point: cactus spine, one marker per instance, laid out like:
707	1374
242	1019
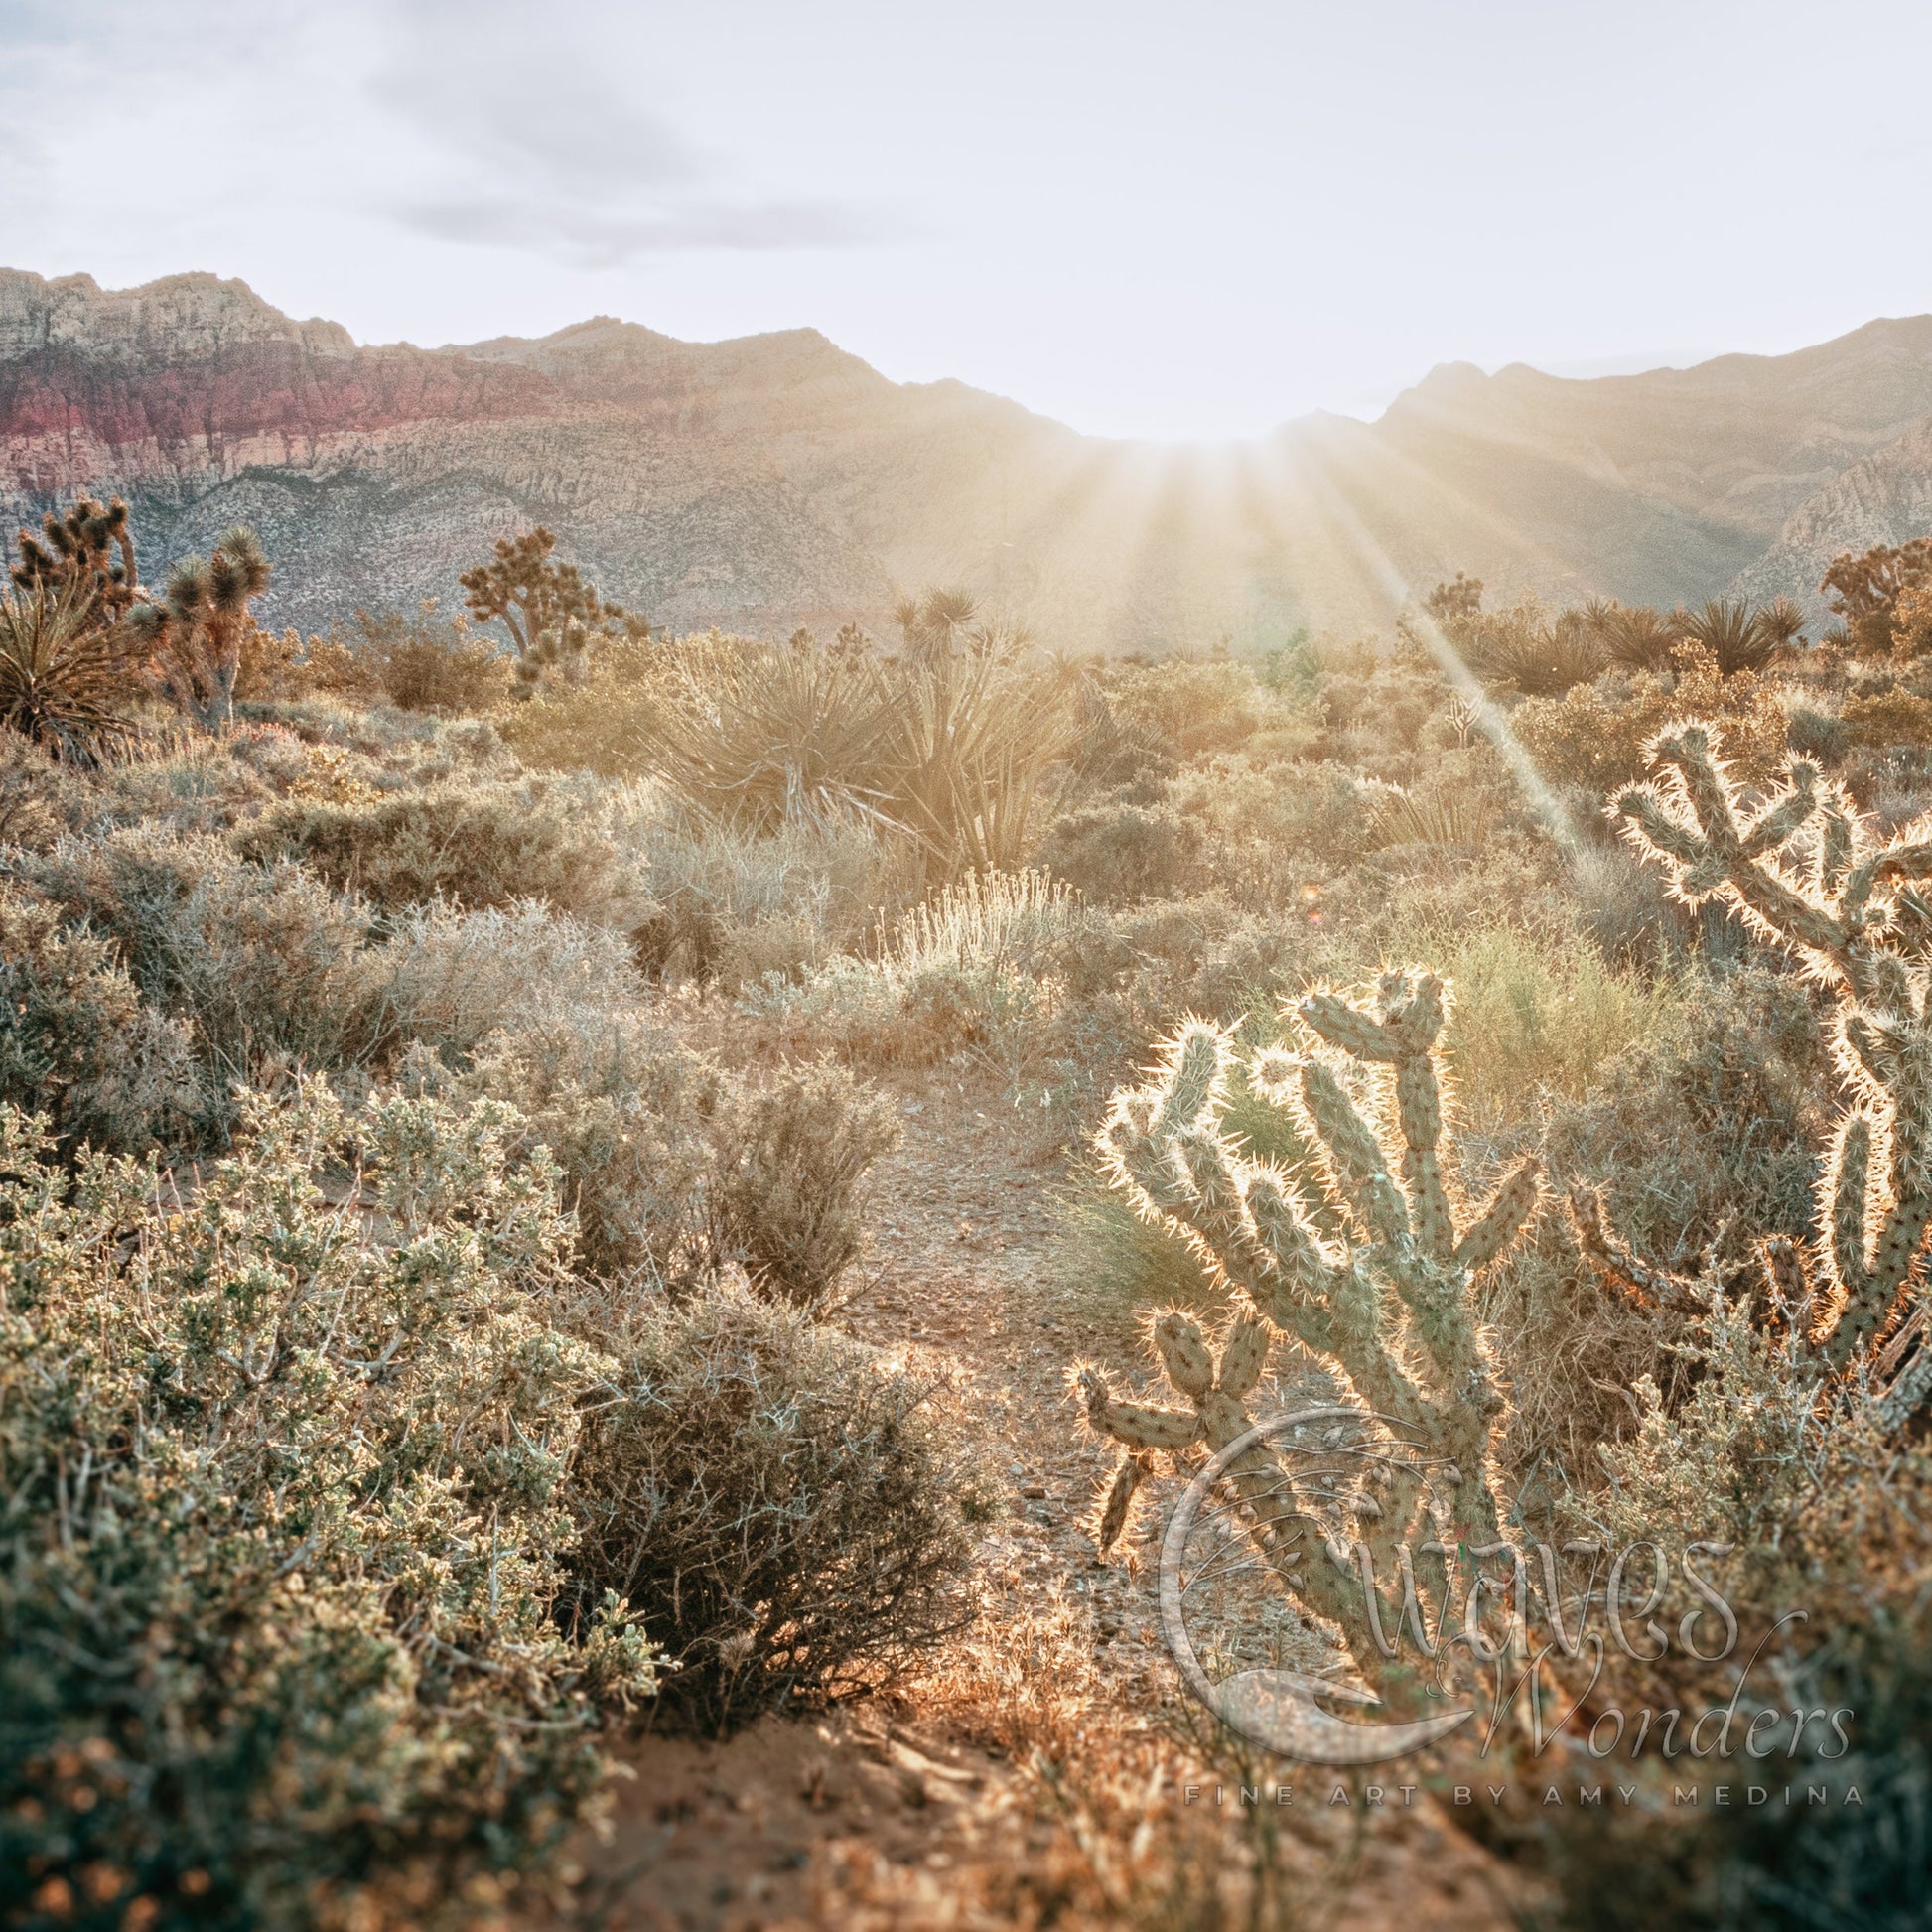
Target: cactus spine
1384	1301
1804	869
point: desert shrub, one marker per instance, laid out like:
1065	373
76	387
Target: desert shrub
477	846
1866	590
1118	854
1706	1123
424	661
1186	708
40	798
607	724
1772	1868
450	979
1537	1014
1818	735
1267	826
1913	622
264	964
777	1503
788	1199
632	1121
970	970
1598	735
1883	718
677	1169
77	1044
280	1532
720	897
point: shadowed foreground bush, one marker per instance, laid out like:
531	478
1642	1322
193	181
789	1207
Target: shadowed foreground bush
776	1501
280	1515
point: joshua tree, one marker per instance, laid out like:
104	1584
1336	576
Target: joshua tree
1805	868
555	619
84	558
194	636
1864	590
1384	1301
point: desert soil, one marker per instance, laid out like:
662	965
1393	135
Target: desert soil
891	1812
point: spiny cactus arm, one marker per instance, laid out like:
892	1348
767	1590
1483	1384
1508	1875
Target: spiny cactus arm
1353	1167
1134	1425
1356	1033
1132	1472
1419	1112
1864	1266
1616	1266
1510	1208
1709	853
1244	1356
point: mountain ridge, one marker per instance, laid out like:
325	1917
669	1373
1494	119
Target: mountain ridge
769	480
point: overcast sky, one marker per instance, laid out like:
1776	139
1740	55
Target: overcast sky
1170	221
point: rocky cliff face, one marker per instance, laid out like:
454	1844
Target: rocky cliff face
777	479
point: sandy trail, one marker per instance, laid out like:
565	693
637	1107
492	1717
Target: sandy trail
882	1814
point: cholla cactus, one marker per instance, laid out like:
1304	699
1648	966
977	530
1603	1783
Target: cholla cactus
1384	1301
1805	868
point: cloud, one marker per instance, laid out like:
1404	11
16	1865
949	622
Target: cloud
536	148
592	237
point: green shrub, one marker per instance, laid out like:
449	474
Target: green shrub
281	1515
777	1503
450	979
476	845
77	1044
677	1169
1773	1867
1186	708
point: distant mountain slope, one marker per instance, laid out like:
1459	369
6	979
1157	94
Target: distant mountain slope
774	479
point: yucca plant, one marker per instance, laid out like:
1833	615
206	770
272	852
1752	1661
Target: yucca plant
65	679
1637	636
971	729
1526	650
1738	637
759	735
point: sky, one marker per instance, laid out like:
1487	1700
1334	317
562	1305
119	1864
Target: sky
1172	222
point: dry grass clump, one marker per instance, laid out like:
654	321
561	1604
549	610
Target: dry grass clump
778	1504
